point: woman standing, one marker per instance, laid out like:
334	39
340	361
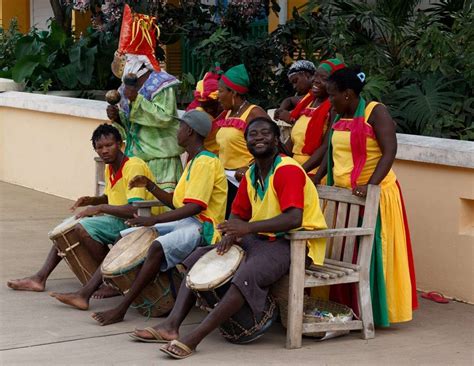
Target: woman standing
233	153
311	118
361	151
300	75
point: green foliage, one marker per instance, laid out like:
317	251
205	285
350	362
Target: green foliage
51	59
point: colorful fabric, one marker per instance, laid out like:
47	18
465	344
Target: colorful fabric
359	132
392	274
230	138
206	89
237	79
150	129
316	124
209	193
301	66
103	229
286	186
138	35
332	65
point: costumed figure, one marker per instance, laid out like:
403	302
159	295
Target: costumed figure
146	111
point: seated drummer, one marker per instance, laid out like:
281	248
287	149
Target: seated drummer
198	204
105	217
274	197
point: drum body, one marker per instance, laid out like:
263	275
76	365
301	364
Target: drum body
122	264
76	255
210	279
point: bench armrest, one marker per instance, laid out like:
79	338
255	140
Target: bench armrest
329	233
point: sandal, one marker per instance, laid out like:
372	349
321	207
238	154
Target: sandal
435	296
181	346
157	338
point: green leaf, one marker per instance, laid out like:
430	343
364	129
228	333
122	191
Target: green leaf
23	69
68	75
27	46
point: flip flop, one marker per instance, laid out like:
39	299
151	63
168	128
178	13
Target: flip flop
157	338
435	296
188	351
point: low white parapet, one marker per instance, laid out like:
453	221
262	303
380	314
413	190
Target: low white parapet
424	149
76	107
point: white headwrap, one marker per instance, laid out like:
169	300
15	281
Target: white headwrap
134	65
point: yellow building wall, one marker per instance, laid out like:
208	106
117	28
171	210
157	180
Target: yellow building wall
48	152
80	22
15	8
273	19
440	207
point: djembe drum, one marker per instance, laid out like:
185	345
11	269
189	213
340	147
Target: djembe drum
76	255
122	264
210	278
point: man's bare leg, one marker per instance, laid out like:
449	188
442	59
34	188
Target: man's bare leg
147	273
230	304
169	328
80	299
37	282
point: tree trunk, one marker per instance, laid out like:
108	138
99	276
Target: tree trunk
62	15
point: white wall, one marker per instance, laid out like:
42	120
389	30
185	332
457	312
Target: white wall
40	13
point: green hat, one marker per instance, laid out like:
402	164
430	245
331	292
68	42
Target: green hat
331	65
237	79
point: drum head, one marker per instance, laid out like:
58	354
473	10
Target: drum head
213	270
64	226
129	252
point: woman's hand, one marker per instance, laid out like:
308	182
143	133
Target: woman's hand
283	115
360	191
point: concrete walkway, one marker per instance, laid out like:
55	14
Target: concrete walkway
38	330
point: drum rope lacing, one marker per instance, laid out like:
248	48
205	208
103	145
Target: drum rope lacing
148	304
87	275
267	315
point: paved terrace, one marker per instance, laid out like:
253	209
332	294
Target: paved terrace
36	329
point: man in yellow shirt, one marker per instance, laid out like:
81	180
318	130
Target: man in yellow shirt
275	196
105	217
198	204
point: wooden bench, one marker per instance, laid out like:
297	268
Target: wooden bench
342	212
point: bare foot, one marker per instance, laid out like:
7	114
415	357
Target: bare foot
105	292
32	283
162	330
109	317
72	299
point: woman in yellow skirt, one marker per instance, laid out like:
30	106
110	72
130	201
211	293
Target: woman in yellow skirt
362	148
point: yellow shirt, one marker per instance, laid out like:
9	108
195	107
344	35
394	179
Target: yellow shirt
203	182
286	186
116	185
298	136
233	151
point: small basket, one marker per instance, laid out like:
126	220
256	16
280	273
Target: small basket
340	313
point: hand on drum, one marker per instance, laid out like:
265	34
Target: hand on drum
139	181
360	191
141	221
224	245
89	211
82	201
